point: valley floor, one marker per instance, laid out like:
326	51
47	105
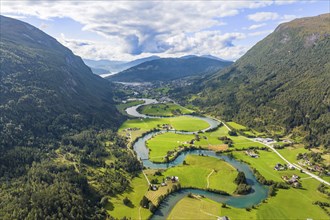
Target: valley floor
205	172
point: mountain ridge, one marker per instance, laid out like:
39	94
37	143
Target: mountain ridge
166	69
271	87
58	86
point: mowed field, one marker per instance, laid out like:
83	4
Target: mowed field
162	143
164	109
265	165
204	208
198	170
287	204
116	207
184	123
235	125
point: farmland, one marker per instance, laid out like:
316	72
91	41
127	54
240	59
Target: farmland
164	109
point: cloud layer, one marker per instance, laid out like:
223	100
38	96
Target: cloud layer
149	27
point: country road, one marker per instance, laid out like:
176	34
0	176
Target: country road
283	158
293	164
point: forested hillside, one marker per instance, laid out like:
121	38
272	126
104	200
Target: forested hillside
166	69
46	90
281	84
56	139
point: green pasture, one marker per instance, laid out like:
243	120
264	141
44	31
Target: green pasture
198	168
294	203
118	209
185	123
265	165
164	109
204	208
235	125
162	143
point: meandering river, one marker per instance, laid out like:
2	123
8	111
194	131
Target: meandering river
258	192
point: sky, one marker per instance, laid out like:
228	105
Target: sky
128	30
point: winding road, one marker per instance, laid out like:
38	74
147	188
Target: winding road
283	158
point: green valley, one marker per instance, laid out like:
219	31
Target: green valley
164	128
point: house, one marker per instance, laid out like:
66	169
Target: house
279	166
291	167
251	154
318	168
153	187
296	184
175	179
295	177
287	141
167	126
285	178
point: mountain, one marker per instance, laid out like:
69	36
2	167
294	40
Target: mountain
56	131
213	57
114	66
281	84
99	71
46	90
165	69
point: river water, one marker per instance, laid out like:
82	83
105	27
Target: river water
258	192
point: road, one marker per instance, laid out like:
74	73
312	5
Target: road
283	158
293	164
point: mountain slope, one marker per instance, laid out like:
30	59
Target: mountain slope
115	66
46	90
282	83
56	118
166	69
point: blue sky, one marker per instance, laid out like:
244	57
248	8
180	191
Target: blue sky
126	30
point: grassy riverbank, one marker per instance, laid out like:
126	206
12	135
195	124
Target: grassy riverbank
136	127
203	172
164	109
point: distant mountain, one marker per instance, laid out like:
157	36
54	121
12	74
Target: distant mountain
99	71
46	90
114	66
165	69
281	84
213	57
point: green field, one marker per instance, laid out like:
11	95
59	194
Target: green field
116	207
235	125
164	109
185	123
207	172
265	165
292	152
204	208
287	204
198	168
123	106
162	143
294	203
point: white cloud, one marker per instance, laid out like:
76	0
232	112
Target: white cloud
284	2
138	28
256	26
263	16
